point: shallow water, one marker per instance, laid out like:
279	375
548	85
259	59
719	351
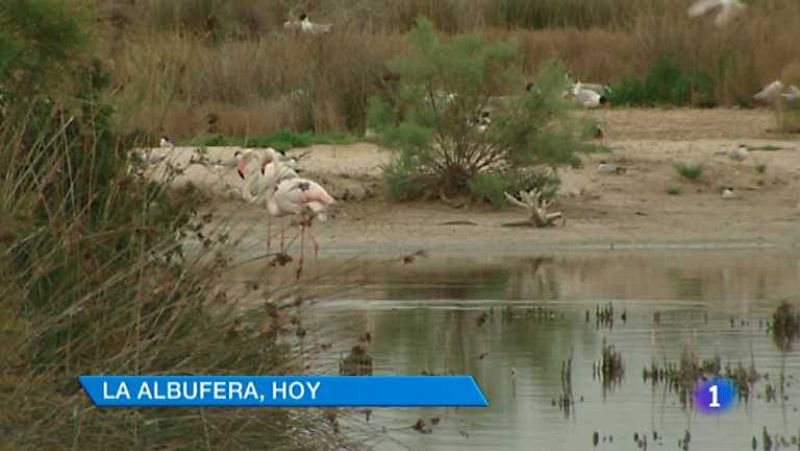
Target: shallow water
426	317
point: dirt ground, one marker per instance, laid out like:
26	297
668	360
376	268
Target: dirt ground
603	211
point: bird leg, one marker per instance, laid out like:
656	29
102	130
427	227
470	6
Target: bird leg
302	249
269	233
314	242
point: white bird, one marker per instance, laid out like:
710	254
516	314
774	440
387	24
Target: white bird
308	27
165	142
728	9
292	27
727	192
793	95
610	168
587	97
603	90
481	122
770	92
306	199
739	153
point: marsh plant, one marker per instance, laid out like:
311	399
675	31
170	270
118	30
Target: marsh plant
444	86
105	272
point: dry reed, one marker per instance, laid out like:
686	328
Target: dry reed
178	66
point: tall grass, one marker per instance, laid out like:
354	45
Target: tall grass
104	272
174	75
97	278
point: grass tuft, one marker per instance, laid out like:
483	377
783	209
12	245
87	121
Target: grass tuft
689	171
673	190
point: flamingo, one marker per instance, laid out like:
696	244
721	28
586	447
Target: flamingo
304	198
263	178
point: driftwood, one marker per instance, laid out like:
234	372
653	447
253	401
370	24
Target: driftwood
536	207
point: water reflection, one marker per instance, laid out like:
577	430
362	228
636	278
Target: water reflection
520	327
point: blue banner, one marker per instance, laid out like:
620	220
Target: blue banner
283	391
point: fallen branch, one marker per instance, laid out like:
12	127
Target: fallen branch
536	207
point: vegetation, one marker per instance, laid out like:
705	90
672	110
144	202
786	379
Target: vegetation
785	326
103	272
428	119
761	168
667	83
281	140
689	171
673	190
766	148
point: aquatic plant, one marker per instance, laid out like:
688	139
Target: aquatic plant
681	378
785	326
610	369
357	363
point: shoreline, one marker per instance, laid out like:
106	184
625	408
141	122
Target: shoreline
649	207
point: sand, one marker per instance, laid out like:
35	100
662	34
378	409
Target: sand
602	211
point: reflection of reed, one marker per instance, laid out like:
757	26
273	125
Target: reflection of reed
534	279
566	402
609	370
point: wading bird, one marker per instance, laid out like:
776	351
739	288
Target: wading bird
262	170
305	199
728	9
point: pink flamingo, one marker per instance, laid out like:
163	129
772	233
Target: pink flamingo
262	179
306	199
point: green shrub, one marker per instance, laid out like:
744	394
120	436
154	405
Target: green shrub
689	171
490	187
444	83
667	83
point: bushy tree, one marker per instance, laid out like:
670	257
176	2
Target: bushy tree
444	87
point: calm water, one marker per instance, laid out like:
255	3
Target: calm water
428	317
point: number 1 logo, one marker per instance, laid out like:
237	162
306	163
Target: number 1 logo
714	389
715	396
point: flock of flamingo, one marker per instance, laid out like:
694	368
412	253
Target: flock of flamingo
269	178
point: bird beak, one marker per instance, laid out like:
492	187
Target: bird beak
240	168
